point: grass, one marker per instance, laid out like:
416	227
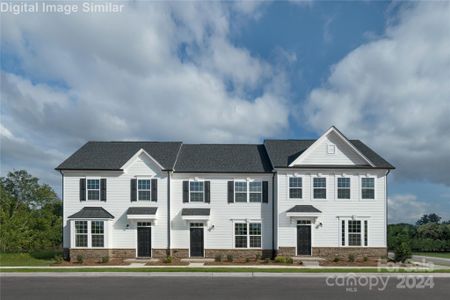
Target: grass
23	259
217	270
434	254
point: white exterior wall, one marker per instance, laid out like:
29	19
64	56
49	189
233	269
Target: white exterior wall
329	234
222	213
118	201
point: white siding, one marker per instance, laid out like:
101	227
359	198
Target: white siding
222	213
328	235
118	201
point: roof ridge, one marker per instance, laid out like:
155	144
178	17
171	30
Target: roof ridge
126	142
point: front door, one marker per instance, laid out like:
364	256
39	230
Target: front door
144	241
196	239
303	239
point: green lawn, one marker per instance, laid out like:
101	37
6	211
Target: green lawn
434	254
216	270
22	259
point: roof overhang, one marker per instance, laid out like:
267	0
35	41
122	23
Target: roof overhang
195	214
142	213
89	213
303	212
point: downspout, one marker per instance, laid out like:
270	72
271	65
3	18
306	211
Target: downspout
168	214
273	215
65	255
386	209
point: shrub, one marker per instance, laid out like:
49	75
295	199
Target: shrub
229	258
80	258
336	259
402	252
105	259
258	257
58	259
247	260
168	259
289	260
351	257
365	258
45	254
218	258
280	259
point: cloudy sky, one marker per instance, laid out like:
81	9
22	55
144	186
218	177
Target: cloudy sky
235	72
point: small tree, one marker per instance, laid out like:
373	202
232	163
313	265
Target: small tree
402	252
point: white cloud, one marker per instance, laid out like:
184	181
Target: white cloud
405	209
155	71
393	93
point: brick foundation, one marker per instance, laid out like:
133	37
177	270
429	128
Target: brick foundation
96	254
159	253
286	251
180	253
344	252
239	254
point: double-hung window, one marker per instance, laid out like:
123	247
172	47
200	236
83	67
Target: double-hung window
367	188
144	189
81	233
255	190
354	233
97	234
295	187
197	191
247	235
320	188
248	191
93	189
240	191
343	185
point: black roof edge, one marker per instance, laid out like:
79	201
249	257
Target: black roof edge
223	172
337	167
95	169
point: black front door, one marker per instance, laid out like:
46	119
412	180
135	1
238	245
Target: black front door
144	242
197	241
303	240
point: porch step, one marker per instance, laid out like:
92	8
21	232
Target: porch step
307	258
197	260
140	260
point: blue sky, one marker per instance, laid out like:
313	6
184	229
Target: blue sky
235	72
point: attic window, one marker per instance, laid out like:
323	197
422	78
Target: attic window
331	149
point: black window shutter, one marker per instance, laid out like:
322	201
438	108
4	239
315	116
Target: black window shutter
265	191
82	189
154	190
207	192
185	191
133	183
103	189
230	191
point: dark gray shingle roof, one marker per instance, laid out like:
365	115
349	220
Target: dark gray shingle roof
195	212
239	158
141	210
92	213
283	152
113	155
304	209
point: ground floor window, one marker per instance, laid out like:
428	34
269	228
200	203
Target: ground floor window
89	234
247	235
354	233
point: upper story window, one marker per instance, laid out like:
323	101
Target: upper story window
368	188
93	189
197	191
248	191
320	188
144	189
331	149
343	185
295	187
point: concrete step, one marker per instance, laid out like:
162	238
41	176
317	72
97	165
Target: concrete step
307	258
197	260
141	260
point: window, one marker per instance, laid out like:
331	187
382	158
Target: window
144	189
365	233
97	234
303	222
320	188
343	232
354	233
240	235
144	224
240	191
247	235
81	234
295	187
197	191
93	189
255	191
343	188
331	149
368	188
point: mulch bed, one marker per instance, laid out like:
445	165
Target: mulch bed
250	263
111	262
346	263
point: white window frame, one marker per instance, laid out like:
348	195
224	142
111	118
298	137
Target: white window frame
363	236
247	192
97	234
198	192
248	235
144	190
349	187
89	233
297	188
331	149
81	234
99	188
362	188
314	188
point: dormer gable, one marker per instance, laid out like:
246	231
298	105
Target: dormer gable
142	163
333	149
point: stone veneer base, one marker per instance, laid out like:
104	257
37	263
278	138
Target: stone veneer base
341	252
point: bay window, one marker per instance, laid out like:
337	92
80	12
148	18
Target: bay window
89	234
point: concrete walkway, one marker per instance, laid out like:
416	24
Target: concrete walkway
435	260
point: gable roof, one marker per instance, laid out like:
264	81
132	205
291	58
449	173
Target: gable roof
223	158
92	213
283	152
113	155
